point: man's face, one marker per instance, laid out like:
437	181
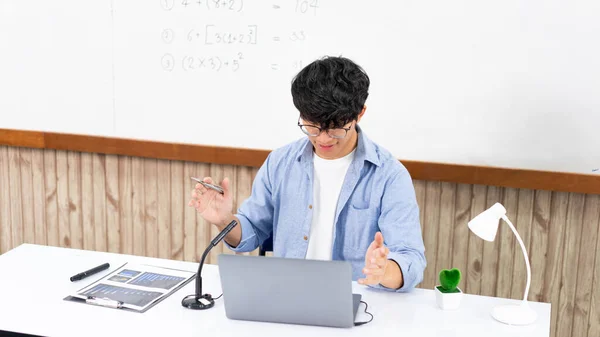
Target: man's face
328	147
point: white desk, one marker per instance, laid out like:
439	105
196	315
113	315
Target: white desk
35	279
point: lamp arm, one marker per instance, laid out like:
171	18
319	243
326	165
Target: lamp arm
524	255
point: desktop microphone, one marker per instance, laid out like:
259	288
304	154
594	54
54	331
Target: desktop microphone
198	301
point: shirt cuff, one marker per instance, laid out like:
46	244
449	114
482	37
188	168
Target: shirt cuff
248	241
408	276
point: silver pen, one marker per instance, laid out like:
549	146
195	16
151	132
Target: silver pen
207	185
104	302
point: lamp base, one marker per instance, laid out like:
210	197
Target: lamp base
512	314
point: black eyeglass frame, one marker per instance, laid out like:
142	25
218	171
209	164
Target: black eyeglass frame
326	130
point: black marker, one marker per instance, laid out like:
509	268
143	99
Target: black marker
90	272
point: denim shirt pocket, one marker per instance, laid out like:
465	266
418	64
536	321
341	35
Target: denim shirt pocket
359	229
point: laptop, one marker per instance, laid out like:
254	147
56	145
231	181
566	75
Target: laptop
285	290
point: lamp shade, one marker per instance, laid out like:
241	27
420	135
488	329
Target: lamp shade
485	225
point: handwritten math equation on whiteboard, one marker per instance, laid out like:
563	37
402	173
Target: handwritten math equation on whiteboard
209	37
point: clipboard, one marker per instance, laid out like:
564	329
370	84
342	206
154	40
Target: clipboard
133	287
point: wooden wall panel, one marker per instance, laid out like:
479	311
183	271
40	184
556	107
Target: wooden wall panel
24	162
50	198
113	221
430	231
140	206
74	199
447	208
99	193
178	195
585	269
125	208
555	254
16	199
6	242
89	203
38	191
151	207
538	247
164	208
594	316
62	199
460	241
570	263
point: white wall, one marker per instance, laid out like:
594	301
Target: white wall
495	83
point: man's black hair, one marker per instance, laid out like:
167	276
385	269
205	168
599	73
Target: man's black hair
330	92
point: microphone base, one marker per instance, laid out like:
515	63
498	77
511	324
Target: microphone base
198	303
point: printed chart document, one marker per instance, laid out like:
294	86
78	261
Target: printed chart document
136	287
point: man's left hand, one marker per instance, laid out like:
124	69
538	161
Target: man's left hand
376	261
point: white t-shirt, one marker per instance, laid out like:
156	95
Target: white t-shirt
329	175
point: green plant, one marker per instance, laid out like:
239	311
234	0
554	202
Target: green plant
449	280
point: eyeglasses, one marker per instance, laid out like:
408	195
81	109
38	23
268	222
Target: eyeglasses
314	131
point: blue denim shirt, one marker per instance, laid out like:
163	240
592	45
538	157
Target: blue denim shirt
377	195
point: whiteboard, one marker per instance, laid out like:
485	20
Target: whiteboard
495	83
56	66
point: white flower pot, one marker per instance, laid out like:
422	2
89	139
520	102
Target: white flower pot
448	301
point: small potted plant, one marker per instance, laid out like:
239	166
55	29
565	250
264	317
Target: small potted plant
447	294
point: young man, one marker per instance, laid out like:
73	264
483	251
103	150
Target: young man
333	194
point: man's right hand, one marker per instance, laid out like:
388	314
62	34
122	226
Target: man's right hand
213	206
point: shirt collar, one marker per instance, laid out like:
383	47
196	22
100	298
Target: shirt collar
365	150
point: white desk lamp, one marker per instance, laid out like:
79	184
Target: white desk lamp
485	225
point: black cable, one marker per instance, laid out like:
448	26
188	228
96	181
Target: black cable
366	307
216	298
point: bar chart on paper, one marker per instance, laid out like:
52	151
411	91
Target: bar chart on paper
126	295
154	280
